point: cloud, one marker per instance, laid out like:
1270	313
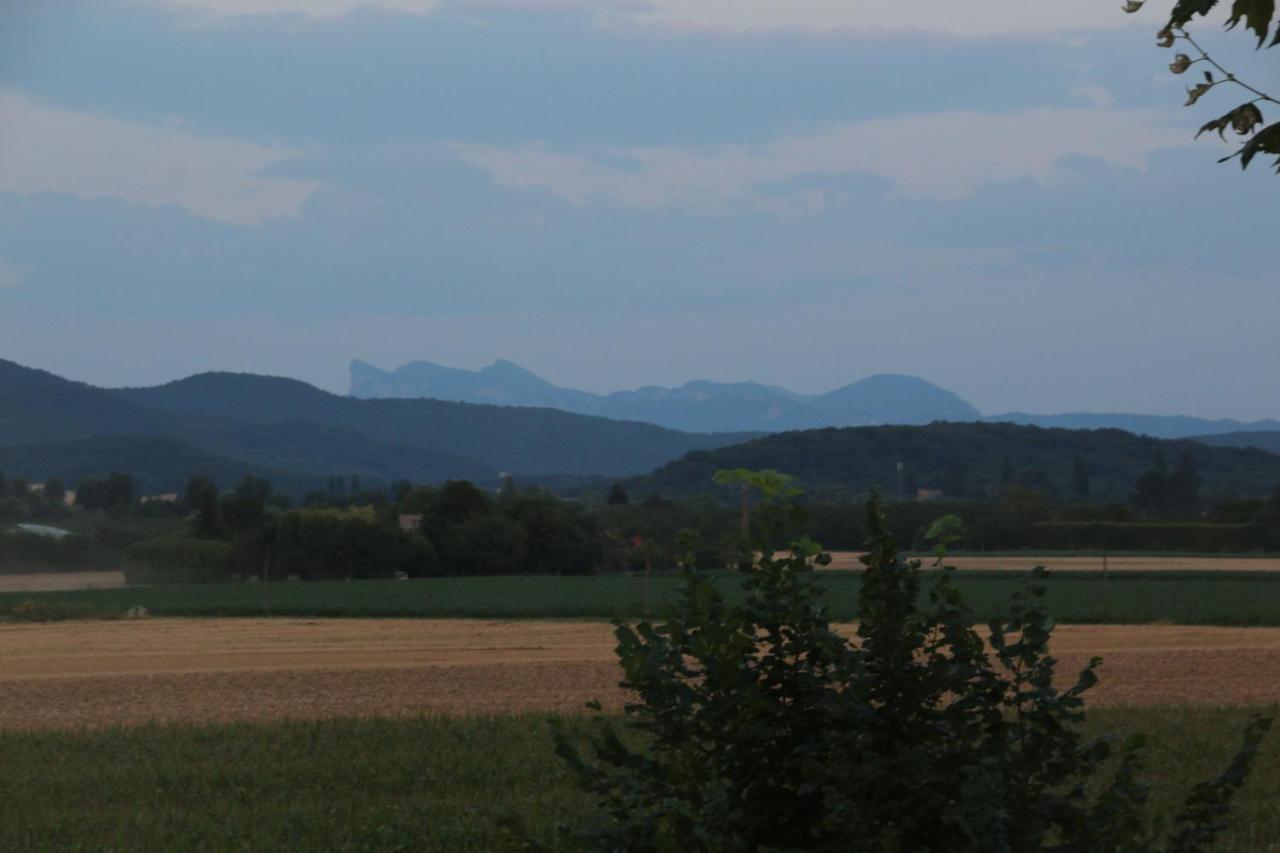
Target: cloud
43	149
987	18
310	8
946	155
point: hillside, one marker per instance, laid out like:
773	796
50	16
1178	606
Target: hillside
265	423
1268	440
697	406
1156	426
503	438
37	406
156	464
968	458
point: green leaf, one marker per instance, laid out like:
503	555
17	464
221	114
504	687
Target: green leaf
1243	119
1256	14
1184	10
1265	141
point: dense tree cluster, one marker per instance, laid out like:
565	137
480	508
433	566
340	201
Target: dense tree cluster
352	528
972	461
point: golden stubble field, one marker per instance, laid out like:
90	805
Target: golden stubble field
74	674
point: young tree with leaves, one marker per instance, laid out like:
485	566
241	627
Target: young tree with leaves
1246	120
760	726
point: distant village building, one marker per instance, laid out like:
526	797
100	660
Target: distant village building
410	522
166	498
928	494
70	497
35	488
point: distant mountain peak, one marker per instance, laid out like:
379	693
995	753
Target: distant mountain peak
699	405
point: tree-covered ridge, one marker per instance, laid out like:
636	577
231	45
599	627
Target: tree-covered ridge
974	460
292	431
1268	440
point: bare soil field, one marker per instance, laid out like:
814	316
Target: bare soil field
74	674
59	581
1114	562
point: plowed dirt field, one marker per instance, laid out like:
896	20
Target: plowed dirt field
105	673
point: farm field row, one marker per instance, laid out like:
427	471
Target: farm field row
1120	562
431	784
1081	597
128	672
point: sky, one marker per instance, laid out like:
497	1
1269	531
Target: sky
1005	198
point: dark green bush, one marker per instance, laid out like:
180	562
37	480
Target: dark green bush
1169	536
325	544
176	559
28	552
758	727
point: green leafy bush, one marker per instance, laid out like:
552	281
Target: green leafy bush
177	559
29	552
758	726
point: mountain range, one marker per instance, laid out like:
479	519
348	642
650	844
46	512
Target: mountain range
230	424
705	406
298	434
698	406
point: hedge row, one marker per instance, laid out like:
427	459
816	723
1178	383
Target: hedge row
28	552
1121	536
173	559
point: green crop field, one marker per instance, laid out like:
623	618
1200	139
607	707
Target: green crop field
1193	598
425	784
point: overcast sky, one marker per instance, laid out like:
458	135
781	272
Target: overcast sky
1002	197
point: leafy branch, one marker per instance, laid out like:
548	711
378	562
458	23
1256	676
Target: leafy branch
1245	119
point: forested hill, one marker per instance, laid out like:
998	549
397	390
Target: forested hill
261	424
971	460
504	438
1261	439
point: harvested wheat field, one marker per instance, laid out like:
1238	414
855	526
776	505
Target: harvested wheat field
60	581
104	673
1115	563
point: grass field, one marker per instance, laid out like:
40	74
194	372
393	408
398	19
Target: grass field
424	784
1190	598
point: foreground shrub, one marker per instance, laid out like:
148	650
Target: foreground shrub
177	559
759	727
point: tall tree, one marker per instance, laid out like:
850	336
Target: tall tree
1079	478
618	495
955	477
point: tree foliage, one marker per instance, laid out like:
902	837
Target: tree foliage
759	726
1246	119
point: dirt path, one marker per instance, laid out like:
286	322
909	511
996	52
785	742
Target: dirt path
104	673
58	581
1115	562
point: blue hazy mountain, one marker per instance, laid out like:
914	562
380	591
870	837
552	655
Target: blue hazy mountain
698	406
704	406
